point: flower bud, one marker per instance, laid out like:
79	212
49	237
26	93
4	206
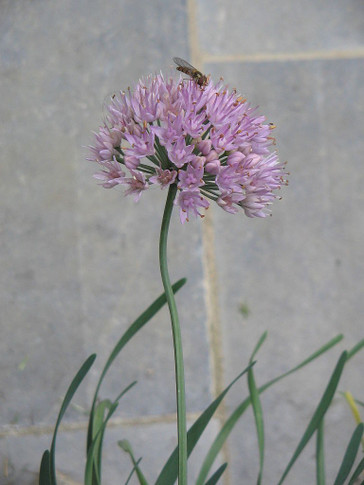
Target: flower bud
235	158
204	146
212	156
213	167
131	162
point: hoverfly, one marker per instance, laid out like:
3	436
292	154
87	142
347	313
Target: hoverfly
186	68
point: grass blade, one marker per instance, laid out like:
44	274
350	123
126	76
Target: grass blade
132	471
168	474
357	473
257	409
320	455
319	412
67	399
361	403
239	411
356	349
130	332
91	472
215	477
94	456
259	424
126	446
45	470
220	440
103	406
350	455
309	359
353	408
259	344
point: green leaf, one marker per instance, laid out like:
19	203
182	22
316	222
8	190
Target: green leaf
239	411
99	415
320	455
350	455
259	344
312	357
319	412
356	349
220	440
98	421
132	471
259	424
91	475
215	477
169	473
130	332
45	470
69	395
126	446
357	473
94	455
257	409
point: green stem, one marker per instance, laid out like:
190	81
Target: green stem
177	339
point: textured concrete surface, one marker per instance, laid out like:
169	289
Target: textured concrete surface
79	263
258	28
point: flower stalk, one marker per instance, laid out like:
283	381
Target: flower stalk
177	339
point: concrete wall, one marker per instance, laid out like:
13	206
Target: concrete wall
79	263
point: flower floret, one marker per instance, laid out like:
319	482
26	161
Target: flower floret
189	201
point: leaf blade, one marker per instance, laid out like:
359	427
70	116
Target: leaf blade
258	417
215	477
94	455
126	446
357	347
66	401
319	412
45	470
320	455
350	455
90	476
257	408
357	473
132	471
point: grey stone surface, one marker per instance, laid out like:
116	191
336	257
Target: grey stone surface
79	263
121	282
298	272
77	270
245	28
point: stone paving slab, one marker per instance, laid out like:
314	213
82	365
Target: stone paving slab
111	295
297	273
301	264
79	262
262	27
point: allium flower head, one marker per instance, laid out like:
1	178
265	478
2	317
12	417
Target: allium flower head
206	139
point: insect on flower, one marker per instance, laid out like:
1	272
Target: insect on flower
186	68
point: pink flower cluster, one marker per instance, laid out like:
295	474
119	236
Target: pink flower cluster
207	140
